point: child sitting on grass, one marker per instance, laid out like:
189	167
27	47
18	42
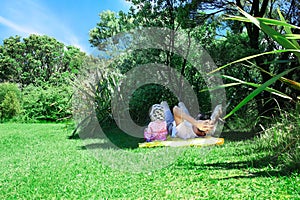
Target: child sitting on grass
157	128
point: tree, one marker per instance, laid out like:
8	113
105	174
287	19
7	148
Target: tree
258	41
11	57
171	14
37	59
175	15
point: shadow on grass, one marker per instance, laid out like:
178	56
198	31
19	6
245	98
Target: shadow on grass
110	135
261	164
238	135
117	139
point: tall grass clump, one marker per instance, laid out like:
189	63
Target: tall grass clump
282	140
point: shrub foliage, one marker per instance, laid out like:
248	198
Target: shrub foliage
10	101
47	102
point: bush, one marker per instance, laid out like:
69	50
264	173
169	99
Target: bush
282	140
10	101
47	103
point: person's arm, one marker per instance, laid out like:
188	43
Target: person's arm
180	115
148	133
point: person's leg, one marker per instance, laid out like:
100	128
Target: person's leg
179	111
169	119
215	116
168	114
180	116
183	107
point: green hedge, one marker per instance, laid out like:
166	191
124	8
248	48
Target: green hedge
10	101
47	103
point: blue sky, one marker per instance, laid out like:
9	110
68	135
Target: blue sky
68	21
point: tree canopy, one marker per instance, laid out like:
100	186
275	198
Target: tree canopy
37	59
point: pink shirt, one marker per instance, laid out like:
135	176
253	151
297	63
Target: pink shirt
157	130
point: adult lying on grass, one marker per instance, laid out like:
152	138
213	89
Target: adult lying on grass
181	125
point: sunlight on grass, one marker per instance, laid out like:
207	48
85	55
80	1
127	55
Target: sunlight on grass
39	162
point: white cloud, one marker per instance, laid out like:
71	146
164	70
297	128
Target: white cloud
15	26
24	17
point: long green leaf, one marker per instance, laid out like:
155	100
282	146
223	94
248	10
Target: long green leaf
275	22
292	37
267	21
287	44
288	30
237	18
270	31
254	56
220	87
239	82
268	89
279	61
291	83
257	91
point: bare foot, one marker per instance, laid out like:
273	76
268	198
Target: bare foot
204	125
215	116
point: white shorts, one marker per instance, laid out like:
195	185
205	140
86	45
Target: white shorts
185	130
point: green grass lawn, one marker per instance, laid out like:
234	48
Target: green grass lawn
38	161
